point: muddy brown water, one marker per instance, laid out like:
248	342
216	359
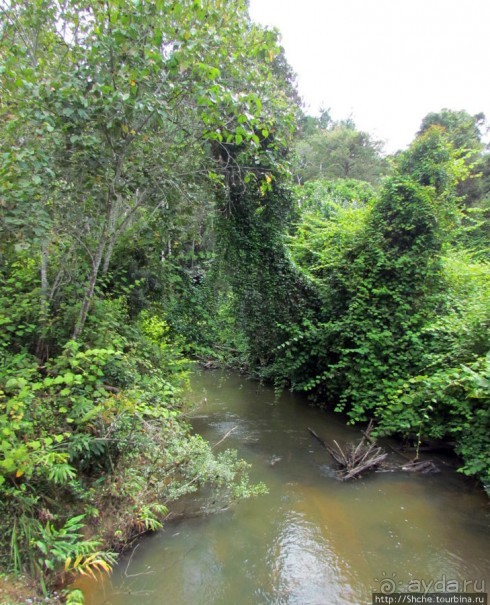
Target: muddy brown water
312	540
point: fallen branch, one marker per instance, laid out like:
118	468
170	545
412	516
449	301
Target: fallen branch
318	437
135	575
364	456
225	437
356	459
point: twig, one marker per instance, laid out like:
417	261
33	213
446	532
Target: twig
224	437
135	575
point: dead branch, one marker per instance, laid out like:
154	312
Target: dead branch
365	455
357	458
317	437
225	437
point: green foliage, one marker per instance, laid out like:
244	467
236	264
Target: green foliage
19	312
75	597
98	429
51	553
433	161
402	334
337	150
450	397
332	215
475	232
462	129
119	120
125	129
93	133
324	197
447	402
267	291
371	308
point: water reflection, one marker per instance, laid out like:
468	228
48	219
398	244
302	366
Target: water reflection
300	551
312	540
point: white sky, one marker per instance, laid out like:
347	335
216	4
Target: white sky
386	62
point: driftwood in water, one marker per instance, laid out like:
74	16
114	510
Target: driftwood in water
318	438
357	458
366	455
420	466
413	465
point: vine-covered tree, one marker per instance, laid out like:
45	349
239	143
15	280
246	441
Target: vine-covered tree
113	110
402	334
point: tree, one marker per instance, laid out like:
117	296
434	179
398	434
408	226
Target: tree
340	151
120	107
118	117
463	130
309	125
465	133
402	330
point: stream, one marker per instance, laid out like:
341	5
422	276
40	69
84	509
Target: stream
312	540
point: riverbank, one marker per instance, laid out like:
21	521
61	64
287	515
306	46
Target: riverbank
20	590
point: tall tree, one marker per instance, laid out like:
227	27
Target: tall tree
340	151
465	132
119	107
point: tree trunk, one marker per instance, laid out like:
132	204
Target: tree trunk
108	254
89	292
44	303
106	235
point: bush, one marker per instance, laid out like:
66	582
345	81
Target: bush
92	440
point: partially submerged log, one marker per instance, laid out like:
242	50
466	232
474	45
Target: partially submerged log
318	438
357	458
413	465
421	466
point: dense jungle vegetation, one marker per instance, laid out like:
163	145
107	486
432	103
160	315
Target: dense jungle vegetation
164	199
